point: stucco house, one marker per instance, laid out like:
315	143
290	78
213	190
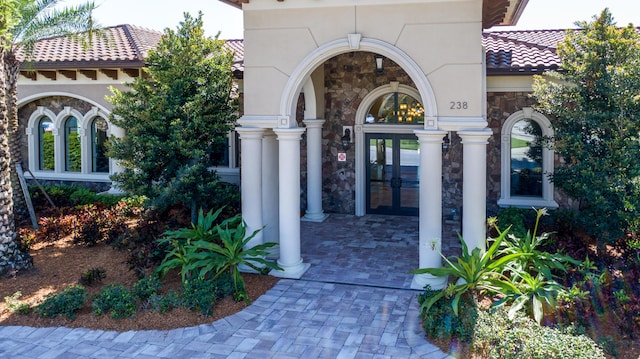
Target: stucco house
397	107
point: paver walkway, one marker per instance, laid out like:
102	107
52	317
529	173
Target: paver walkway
315	317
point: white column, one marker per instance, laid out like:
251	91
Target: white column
289	168
314	211
430	173
270	197
251	180
474	187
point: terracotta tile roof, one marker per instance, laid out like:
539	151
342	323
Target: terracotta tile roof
508	52
237	46
522	52
122	45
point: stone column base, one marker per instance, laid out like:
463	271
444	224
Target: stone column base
314	217
291	272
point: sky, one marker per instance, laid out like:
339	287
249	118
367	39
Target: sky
226	19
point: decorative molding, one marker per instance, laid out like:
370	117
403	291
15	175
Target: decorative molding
354	41
321	54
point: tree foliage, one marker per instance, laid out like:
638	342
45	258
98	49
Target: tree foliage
595	102
176	118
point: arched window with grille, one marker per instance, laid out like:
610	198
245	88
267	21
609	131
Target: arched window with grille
72	146
527	163
99	159
46	147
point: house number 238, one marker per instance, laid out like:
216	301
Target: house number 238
458	105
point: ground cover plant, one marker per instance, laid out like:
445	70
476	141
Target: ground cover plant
118	291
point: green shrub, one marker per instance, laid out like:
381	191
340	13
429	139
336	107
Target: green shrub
116	300
15	305
208	250
514	217
163	304
199	294
441	322
93	276
70	196
146	287
497	336
65	303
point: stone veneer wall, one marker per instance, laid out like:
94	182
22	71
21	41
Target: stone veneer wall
348	79
54	103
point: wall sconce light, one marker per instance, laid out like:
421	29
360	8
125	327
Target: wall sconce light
446	143
379	63
346	139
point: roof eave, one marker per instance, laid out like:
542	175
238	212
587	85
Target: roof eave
502	12
59	65
235	3
521	71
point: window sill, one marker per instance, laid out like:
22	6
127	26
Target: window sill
526	202
67	176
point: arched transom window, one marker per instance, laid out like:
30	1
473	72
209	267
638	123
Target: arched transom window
396	108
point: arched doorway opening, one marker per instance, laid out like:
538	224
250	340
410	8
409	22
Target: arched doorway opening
387	152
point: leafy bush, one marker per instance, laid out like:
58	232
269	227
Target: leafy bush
497	336
441	322
146	287
116	300
70	196
143	251
15	305
65	303
473	272
163	304
515	218
55	227
199	294
196	251
92	276
94	224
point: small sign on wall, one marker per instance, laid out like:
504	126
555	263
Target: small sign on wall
342	157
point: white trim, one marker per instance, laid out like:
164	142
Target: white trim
84	131
304	69
506	200
40	95
87	144
60	149
70	176
33	131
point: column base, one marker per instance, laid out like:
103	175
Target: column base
420	280
273	253
115	190
314	217
291	272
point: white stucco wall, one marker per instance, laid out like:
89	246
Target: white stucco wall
442	37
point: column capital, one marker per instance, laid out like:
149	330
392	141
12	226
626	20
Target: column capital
289	134
314	123
478	137
427	136
250	133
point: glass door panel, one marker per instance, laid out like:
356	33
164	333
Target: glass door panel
392	174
